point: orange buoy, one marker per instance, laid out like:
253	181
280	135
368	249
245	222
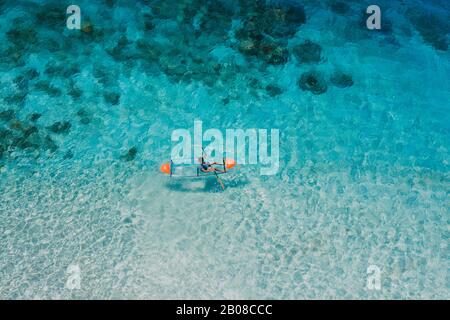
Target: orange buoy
229	163
165	168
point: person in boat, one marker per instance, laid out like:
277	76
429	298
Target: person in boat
207	166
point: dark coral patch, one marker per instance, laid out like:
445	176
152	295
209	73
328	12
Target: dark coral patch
84	116
28	131
7	115
313	81
269	51
18	137
149	25
273	53
217	19
341	80
34	117
339	7
112	97
31	74
308	52
48	88
21	82
23	143
16	98
60	127
121	52
52	15
130	155
249	47
433	27
273	90
6	137
266	29
61	69
21	37
282	20
54	68
68	155
49	144
75	92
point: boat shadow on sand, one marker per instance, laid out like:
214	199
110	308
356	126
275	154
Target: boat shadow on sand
209	184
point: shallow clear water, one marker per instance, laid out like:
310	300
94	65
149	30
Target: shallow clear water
364	175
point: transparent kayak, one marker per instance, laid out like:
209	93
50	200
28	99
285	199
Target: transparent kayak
194	170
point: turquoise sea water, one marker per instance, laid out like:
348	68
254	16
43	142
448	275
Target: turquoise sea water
86	118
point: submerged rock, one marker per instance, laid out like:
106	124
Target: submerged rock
82	113
13	57
28	131
268	51
120	51
130	155
87	27
248	47
75	92
84	116
21	82
339	7
10	139
313	81
149	51
52	15
226	100
273	53
280	20
254	83
6	137
273	90
60	127
341	80
112	97
217	19
308	52
31	74
21	37
61	69
7	115
23	143
266	29
53	68
49	144
35	117
16	125
105	76
432	26
48	88
33	135
85	120
17	98
295	14
68	155
149	25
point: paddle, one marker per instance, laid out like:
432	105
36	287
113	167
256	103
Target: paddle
220	181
